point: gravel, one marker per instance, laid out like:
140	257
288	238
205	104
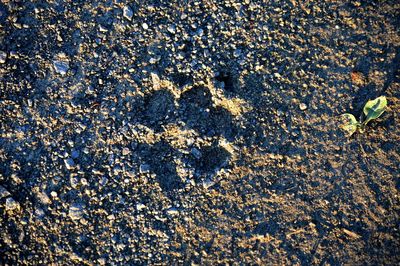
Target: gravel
198	132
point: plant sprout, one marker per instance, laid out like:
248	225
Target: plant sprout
372	110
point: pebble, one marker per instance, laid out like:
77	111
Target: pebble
172	211
61	67
75	211
69	163
43	198
128	13
140	206
207	183
237	53
3	192
39	213
302	106
74	181
12	205
144	168
196	153
84	181
102	28
101	261
145	26
3	57
171	29
104	181
153	60
125	151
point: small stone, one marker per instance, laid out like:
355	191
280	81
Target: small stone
207	183
75	211
117	169
74	181
69	163
155	80
3	192
14	54
43	198
102	28
84	181
126	151
171	29
145	26
144	168
128	13
196	153
97	172
302	106
39	213
104	181
140	206
61	67
53	194
190	141
172	211
3	57
12	205
131	174
237	53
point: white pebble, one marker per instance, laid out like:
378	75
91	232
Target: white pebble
303	106
171	29
69	163
128	13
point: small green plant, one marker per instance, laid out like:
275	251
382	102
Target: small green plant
372	110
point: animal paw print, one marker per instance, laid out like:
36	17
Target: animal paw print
193	130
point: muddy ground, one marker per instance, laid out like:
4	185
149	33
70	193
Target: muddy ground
198	132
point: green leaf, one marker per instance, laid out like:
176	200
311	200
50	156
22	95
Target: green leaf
374	108
350	124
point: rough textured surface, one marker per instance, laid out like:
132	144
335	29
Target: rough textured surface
198	132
